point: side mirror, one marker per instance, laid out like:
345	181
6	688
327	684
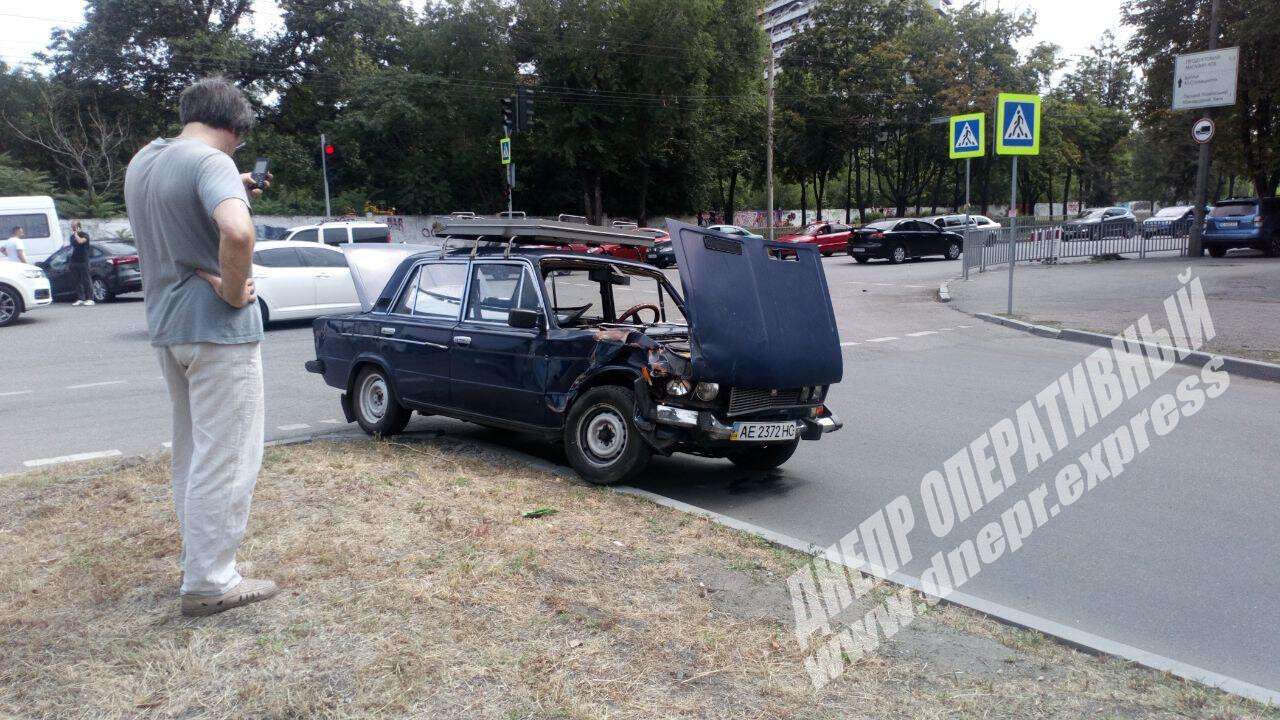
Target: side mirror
524	319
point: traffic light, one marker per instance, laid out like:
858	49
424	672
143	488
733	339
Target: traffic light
508	116
524	109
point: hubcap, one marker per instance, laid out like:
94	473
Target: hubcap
373	398
899	254
8	306
99	290
953	252
604	435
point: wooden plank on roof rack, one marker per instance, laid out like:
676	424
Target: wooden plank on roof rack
534	231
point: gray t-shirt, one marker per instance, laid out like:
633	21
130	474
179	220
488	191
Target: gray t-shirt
170	191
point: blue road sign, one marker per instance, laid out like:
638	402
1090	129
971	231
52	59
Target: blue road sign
968	136
1018	124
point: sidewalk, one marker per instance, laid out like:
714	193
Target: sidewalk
1243	291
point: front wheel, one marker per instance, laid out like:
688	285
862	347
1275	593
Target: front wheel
10	305
600	437
376	405
953	251
763	457
898	255
100	291
1272	248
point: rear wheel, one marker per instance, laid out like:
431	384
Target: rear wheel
763	457
376	405
1217	251
862	259
898	255
101	293
600	437
10	305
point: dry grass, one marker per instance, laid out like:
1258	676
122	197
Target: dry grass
413	587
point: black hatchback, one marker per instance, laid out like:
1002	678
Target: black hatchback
113	270
898	240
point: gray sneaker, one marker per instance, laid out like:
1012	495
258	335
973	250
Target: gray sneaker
247	592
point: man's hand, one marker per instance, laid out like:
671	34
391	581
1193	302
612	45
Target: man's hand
254	188
247	297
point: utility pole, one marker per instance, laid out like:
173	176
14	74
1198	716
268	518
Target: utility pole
1195	247
768	152
324	169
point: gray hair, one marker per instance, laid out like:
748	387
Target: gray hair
215	102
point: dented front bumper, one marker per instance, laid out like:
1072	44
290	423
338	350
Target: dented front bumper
707	426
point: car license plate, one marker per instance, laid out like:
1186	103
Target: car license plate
1228	225
763	431
857	250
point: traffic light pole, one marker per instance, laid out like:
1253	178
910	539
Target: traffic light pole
768	157
324	169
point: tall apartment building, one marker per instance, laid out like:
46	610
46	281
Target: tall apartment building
782	19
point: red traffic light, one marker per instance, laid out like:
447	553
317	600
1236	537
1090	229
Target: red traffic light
329	150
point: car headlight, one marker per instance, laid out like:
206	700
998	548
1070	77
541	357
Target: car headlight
34	273
706	392
678	387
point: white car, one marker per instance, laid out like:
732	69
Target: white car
23	287
341	232
734	230
297	280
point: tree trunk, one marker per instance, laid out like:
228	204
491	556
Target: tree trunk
857	186
1066	193
804	204
642	215
819	192
729	197
848	191
985	186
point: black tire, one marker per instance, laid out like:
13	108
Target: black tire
10	305
376	405
1272	248
99	291
862	259
953	250
1217	251
600	436
898	255
266	314
763	457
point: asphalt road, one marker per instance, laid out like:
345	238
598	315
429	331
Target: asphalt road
1177	557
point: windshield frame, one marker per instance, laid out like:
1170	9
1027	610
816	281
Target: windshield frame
547	265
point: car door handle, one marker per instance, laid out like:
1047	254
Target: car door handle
462	340
388	331
323	276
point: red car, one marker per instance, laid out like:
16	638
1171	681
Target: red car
623	252
828	237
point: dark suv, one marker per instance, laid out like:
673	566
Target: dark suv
1238	223
600	354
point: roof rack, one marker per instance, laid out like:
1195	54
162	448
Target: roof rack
525	231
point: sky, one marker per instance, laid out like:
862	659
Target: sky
1073	25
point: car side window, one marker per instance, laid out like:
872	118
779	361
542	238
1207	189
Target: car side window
304	235
498	288
335	236
322	257
59	259
370	234
434	292
277	258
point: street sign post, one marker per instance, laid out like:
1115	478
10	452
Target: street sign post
504	150
1202	131
1205	79
968	140
1017	133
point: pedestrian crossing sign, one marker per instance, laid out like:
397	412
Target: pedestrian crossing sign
1018	124
968	136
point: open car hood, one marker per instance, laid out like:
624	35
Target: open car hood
372	265
756	320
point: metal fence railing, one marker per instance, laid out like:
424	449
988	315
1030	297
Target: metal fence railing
1050	242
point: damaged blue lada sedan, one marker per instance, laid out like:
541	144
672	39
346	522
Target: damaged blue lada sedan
514	331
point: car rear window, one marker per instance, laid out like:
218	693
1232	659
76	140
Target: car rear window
1170	212
882	225
1233	209
115	248
308	235
36	225
370	234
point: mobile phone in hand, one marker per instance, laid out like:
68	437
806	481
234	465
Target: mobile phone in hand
260	169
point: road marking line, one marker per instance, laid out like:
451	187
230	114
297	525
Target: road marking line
856	282
890	338
926	287
295	426
97	384
16	392
72	458
847	344
333	422
885	284
922	333
963	327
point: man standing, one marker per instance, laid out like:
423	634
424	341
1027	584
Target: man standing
189	208
79	265
13	249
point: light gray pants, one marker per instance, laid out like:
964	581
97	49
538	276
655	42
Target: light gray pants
216	391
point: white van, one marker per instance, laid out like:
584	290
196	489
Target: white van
341	232
37	216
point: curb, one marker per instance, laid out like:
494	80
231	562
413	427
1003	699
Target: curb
944	291
1241	367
